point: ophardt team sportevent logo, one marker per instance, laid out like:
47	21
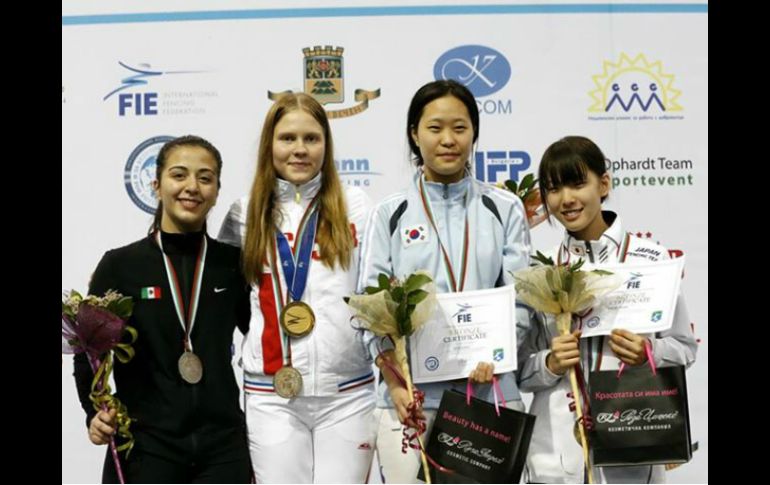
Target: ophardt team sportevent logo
140	172
324	80
135	96
653	171
634	89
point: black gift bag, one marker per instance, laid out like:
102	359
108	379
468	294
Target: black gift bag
476	444
640	418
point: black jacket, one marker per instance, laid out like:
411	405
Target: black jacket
180	421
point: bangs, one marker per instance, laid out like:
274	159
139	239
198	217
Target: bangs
562	169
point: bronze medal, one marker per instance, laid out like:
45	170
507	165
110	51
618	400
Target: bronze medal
190	367
297	319
287	382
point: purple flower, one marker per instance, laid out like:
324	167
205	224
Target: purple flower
98	330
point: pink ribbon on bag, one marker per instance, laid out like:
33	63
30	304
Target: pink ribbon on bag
495	391
650	360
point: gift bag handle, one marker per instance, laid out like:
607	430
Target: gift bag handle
495	391
650	359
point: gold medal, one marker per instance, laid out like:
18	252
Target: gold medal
287	382
297	319
190	367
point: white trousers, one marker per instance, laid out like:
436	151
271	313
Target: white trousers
328	439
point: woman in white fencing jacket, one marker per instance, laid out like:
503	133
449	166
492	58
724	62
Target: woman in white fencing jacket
308	378
574	180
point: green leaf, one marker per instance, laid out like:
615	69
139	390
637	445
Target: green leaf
371	290
401	317
409	310
416	297
401	311
511	185
66	310
416	281
579	264
527	182
551	277
543	259
384	281
568	281
602	272
397	293
123	307
408	330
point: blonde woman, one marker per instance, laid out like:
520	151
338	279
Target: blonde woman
307	376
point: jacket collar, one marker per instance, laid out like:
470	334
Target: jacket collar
286	191
607	248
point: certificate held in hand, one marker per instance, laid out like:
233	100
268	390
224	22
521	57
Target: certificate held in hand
467	328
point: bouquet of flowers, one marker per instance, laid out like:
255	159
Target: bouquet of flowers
397	309
529	193
562	290
97	326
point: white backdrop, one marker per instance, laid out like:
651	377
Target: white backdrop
634	78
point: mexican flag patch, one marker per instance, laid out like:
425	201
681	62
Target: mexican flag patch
151	293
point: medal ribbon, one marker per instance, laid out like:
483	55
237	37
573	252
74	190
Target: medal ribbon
187	320
295	262
455	285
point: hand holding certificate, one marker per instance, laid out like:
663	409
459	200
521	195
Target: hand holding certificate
466	328
563	290
644	302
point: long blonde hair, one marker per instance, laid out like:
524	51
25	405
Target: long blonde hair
333	236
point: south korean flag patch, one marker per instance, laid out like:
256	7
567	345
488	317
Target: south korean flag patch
415	235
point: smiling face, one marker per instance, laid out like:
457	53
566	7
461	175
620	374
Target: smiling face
578	205
299	146
444	135
188	188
